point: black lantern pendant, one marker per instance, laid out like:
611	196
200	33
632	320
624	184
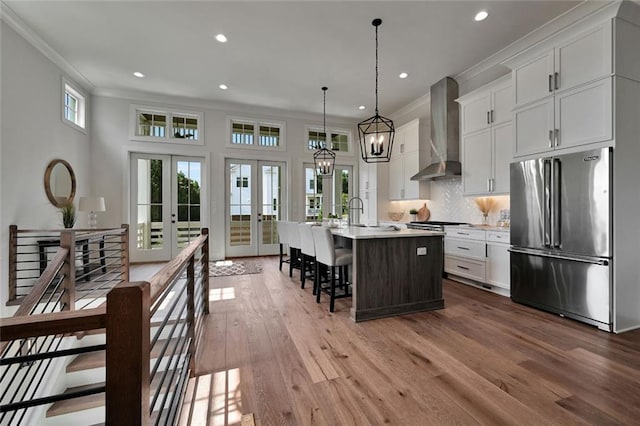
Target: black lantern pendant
324	159
376	133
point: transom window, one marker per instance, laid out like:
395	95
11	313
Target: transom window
167	126
340	140
73	106
256	134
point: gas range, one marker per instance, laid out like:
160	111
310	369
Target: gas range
433	225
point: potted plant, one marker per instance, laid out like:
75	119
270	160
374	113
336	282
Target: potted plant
413	213
68	212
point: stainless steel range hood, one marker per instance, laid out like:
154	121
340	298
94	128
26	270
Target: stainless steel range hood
445	133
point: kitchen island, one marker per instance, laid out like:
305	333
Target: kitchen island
394	271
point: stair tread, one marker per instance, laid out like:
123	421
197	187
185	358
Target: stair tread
97	359
76	404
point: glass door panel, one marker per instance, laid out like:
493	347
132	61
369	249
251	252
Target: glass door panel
150	207
271	206
313	194
187	175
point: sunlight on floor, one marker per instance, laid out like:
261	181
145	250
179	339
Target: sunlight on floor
224	263
215	400
227	293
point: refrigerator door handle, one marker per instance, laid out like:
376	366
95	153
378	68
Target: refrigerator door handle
557	170
546	214
602	262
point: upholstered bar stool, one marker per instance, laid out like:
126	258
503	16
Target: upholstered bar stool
328	254
294	246
283	238
308	256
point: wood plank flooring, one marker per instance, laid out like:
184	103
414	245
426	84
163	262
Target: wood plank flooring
271	351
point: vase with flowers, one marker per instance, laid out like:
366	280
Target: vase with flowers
485	205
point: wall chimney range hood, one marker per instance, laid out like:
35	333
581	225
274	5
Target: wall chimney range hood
445	133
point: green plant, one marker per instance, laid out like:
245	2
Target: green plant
333	216
68	212
413	211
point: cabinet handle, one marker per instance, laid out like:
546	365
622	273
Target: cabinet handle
463	267
402	148
488	117
556	79
462	233
555	135
488	185
492	120
463	248
493	185
550	83
550	138
402	193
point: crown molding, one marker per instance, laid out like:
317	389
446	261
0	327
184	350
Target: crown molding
19	26
225	107
413	105
573	15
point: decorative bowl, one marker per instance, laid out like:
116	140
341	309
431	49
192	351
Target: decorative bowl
395	216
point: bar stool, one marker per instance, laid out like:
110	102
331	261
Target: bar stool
328	255
294	247
283	238
308	250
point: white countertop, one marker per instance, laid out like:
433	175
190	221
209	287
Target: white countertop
371	232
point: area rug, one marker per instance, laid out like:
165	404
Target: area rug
224	268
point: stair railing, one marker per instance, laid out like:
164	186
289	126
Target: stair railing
159	320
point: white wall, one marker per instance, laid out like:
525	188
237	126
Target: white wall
32	134
111	144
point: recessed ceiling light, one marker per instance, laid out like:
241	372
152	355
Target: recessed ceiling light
403	75
481	16
138	74
223	86
362	107
221	38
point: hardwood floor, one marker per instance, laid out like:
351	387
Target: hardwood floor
271	351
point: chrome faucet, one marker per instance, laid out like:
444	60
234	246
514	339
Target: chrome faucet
349	208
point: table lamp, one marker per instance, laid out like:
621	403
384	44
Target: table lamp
92	205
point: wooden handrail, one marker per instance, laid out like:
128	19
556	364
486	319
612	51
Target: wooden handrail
23	327
98	231
167	275
42	283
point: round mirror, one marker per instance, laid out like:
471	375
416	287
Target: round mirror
59	182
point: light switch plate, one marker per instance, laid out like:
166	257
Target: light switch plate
422	251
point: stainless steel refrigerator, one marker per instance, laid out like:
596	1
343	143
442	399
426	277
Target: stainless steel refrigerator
561	254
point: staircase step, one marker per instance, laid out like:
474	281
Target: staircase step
76	404
97	359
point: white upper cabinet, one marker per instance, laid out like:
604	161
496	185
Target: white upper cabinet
407	159
533	80
487	138
570	63
534	126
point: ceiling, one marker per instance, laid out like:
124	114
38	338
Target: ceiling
280	54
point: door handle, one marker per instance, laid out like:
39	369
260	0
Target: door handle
556	133
556	79
546	214
488	117
550	138
550	83
557	170
173	218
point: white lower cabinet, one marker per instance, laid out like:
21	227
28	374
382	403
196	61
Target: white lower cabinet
479	257
498	259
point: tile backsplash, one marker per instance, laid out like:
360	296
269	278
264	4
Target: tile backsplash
448	203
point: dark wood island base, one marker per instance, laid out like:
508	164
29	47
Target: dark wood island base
391	275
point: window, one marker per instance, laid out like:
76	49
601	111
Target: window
150	124
316	139
340	139
242	182
242	133
340	142
73	106
312	184
249	133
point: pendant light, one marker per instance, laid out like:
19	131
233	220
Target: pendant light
324	159
376	133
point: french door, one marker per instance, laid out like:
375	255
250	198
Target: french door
327	195
255	202
167	205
